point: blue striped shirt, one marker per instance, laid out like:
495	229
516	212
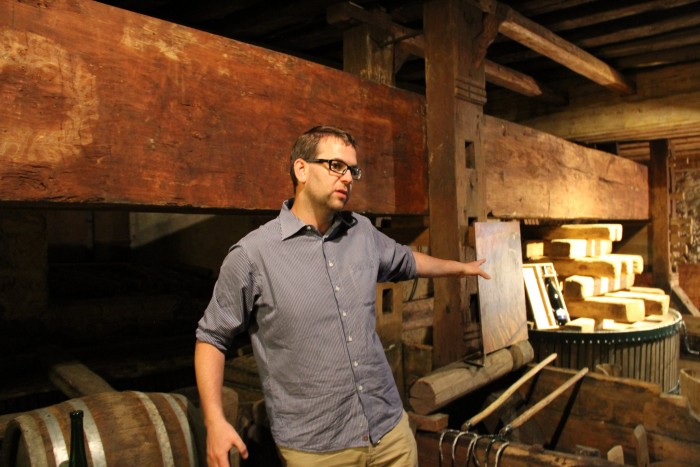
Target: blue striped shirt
308	302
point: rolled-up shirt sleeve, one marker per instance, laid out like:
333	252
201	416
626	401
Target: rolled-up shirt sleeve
232	301
396	261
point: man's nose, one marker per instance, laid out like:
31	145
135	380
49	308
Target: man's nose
346	177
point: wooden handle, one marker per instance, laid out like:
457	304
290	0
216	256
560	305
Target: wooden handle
525	416
466	426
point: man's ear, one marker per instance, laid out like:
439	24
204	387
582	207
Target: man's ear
300	170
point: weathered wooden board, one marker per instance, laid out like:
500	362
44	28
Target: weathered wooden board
104	106
502	298
626	310
536	175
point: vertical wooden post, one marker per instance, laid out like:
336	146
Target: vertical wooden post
455	92
659	211
365	56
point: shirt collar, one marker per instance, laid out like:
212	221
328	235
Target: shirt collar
291	224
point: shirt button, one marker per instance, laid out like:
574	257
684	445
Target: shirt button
330	264
308	227
337	288
349	338
355	363
344	313
359	388
365	438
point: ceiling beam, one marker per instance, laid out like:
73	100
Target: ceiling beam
412	42
540	39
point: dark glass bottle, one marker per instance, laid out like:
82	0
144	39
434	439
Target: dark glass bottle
556	301
77	456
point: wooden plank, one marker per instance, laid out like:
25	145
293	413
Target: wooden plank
107	107
516	152
623	310
597	266
501	299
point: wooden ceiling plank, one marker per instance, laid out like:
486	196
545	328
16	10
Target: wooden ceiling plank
539	7
651	44
614	12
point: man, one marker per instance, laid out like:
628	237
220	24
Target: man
303	286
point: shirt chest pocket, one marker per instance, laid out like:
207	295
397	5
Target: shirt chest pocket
364	279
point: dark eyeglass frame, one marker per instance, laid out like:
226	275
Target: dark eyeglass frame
356	172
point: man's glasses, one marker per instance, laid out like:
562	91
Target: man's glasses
340	167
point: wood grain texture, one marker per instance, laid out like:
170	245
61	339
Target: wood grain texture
536	175
104	106
502	298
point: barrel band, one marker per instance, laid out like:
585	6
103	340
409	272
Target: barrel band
53	428
161	432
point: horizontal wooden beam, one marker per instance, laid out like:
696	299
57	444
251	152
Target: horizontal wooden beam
150	115
102	106
540	39
536	175
667	105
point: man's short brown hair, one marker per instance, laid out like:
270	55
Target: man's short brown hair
305	146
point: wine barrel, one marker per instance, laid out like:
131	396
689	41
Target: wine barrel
121	428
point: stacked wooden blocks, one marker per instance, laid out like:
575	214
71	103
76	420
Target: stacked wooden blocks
597	285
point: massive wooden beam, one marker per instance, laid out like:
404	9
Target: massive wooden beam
660	212
536	175
667	105
101	106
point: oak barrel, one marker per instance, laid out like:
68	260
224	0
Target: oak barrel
121	428
647	351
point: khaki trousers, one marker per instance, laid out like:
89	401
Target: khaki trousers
397	449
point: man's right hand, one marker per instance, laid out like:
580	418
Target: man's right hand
221	437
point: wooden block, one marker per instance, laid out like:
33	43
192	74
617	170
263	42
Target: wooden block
433	423
631	264
579	287
388	312
653	304
647	290
577	248
596	267
580	325
625	310
534	249
611	232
